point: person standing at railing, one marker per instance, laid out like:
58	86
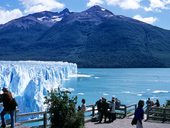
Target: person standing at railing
99	108
149	104
139	114
9	106
83	106
112	115
157	104
104	112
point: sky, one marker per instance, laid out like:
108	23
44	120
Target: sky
155	12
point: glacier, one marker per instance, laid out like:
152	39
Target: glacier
29	81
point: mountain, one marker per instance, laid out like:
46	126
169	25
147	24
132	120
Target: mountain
16	35
92	38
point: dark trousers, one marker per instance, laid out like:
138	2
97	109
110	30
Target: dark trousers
105	114
112	117
11	115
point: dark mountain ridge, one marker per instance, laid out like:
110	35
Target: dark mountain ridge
93	38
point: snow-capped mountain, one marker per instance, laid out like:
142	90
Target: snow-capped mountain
45	18
29	81
95	14
95	37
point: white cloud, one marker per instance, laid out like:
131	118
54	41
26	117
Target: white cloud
154	5
149	20
94	2
7	15
125	4
158	5
32	6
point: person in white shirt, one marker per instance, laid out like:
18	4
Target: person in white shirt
83	106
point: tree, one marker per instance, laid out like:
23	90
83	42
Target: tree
62	109
168	103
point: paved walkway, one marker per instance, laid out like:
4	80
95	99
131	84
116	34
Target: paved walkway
17	125
126	123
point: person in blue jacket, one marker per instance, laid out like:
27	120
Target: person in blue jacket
139	114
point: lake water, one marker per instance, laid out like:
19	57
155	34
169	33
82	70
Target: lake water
128	85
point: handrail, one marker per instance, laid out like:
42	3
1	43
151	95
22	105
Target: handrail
131	109
122	111
30	114
158	113
131	105
43	118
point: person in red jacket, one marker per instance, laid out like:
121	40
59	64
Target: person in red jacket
7	99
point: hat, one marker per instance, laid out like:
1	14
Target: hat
113	98
4	89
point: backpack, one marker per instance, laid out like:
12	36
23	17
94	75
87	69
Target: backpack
134	121
13	104
9	102
7	97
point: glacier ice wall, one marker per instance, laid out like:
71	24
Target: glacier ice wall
29	81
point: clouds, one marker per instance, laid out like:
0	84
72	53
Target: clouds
149	5
32	6
29	6
124	4
94	2
158	5
7	15
153	5
149	20
20	8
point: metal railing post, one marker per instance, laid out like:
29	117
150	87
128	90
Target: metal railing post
164	115
45	119
125	111
15	116
147	111
93	110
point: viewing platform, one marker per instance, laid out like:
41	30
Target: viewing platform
154	118
126	123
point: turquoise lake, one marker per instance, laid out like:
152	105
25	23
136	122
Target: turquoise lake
129	85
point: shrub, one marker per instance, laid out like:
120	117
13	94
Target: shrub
168	103
62	109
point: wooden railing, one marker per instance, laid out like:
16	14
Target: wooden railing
90	112
40	117
130	109
121	112
158	113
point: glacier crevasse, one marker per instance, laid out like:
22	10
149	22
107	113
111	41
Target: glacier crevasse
29	81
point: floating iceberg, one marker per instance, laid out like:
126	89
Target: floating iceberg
29	81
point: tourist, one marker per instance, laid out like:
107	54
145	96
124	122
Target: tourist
139	114
7	99
152	103
117	103
99	108
79	108
112	115
149	104
157	104
105	107
83	106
